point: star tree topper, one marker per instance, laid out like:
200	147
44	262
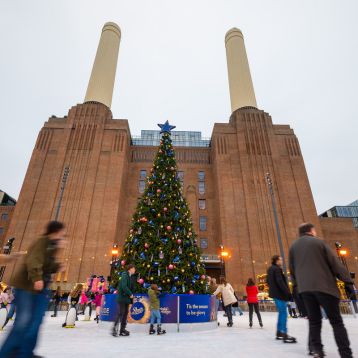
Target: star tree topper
166	127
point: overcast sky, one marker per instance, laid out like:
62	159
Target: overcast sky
303	56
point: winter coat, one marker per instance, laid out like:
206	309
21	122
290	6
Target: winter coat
278	287
83	299
125	288
314	266
38	264
252	292
154	299
227	294
98	300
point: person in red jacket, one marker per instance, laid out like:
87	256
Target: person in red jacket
252	300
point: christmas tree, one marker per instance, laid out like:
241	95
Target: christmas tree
161	241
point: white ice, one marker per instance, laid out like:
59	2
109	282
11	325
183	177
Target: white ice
89	339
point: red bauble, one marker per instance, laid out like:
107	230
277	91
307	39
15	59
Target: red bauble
123	262
169	227
146	245
141	281
170	267
203	277
165	209
159	191
191	292
179	241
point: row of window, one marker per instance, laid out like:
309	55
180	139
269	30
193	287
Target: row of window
4	216
180	175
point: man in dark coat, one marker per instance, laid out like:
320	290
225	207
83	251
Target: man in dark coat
125	297
279	291
314	269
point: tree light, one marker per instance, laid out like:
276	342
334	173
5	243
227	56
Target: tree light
343	252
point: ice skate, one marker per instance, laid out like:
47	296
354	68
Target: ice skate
151	329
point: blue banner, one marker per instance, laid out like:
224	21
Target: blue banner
193	308
196	308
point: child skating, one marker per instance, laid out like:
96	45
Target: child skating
155	316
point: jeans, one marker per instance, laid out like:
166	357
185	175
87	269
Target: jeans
282	315
252	307
238	309
155	317
22	339
228	311
313	302
122	315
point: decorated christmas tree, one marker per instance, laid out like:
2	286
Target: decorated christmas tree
161	241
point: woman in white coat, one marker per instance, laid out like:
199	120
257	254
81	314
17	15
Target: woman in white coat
228	298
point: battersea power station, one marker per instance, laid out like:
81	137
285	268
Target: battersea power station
88	170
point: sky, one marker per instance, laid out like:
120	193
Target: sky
303	56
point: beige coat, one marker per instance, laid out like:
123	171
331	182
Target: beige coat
227	294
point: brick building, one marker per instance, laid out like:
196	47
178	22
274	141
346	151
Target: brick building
223	177
7	206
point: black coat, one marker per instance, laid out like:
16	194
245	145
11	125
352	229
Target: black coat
278	287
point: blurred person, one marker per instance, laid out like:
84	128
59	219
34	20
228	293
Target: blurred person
280	293
56	298
124	298
252	291
30	282
315	269
10	305
228	298
98	302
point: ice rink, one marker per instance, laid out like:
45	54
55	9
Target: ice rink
91	340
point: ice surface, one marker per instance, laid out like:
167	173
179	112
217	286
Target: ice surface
91	340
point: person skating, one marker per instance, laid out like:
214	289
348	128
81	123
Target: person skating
155	316
253	302
30	282
279	291
228	298
56	299
97	302
314	269
125	298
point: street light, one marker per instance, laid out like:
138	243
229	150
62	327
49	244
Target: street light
115	253
223	255
272	194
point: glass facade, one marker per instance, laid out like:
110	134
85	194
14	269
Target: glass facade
180	139
349	211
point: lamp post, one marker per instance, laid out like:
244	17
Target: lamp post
273	202
115	253
223	254
6	251
63	184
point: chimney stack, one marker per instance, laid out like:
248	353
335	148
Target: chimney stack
241	89
101	83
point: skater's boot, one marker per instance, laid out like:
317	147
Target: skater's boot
250	324
280	336
289	339
261	325
151	329
230	324
160	330
123	332
115	332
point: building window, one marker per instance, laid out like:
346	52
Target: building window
201	186
203	243
180	175
202	204
1	230
143	174
141	186
201	175
202	223
5	216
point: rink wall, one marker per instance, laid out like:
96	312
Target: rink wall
174	308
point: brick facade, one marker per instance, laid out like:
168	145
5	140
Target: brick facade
102	189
